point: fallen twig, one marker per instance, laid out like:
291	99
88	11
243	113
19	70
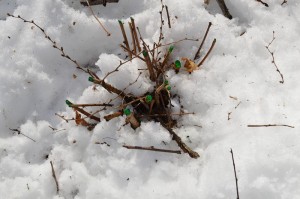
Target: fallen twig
273	58
235	176
151	148
19	132
265	4
54	176
108	33
269	125
180	143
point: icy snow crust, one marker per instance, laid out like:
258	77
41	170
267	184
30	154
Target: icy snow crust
35	81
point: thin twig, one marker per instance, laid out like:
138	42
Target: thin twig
87	114
197	55
125	38
86	105
273	58
181	144
151	148
54	176
265	4
236	179
224	9
137	42
108	33
284	1
19	133
54	44
210	49
270	125
169	22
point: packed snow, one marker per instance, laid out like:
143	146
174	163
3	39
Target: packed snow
238	85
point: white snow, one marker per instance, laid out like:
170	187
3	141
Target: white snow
237	78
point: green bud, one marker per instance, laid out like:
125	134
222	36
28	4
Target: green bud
166	82
145	53
91	79
127	111
177	64
148	98
69	103
168	87
171	48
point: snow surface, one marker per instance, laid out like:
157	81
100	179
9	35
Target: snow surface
238	77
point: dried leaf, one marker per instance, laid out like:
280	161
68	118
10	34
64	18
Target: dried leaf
189	64
79	120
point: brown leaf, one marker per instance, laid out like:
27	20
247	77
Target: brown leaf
189	64
79	120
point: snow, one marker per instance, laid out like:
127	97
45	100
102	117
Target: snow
238	85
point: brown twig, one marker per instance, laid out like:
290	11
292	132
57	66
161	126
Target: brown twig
151	148
169	22
125	38
273	58
180	143
113	115
235	176
197	55
87	114
19	133
224	9
132	37
284	1
265	4
149	64
86	105
269	125
209	51
54	176
161	35
137	42
108	33
63	117
55	45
